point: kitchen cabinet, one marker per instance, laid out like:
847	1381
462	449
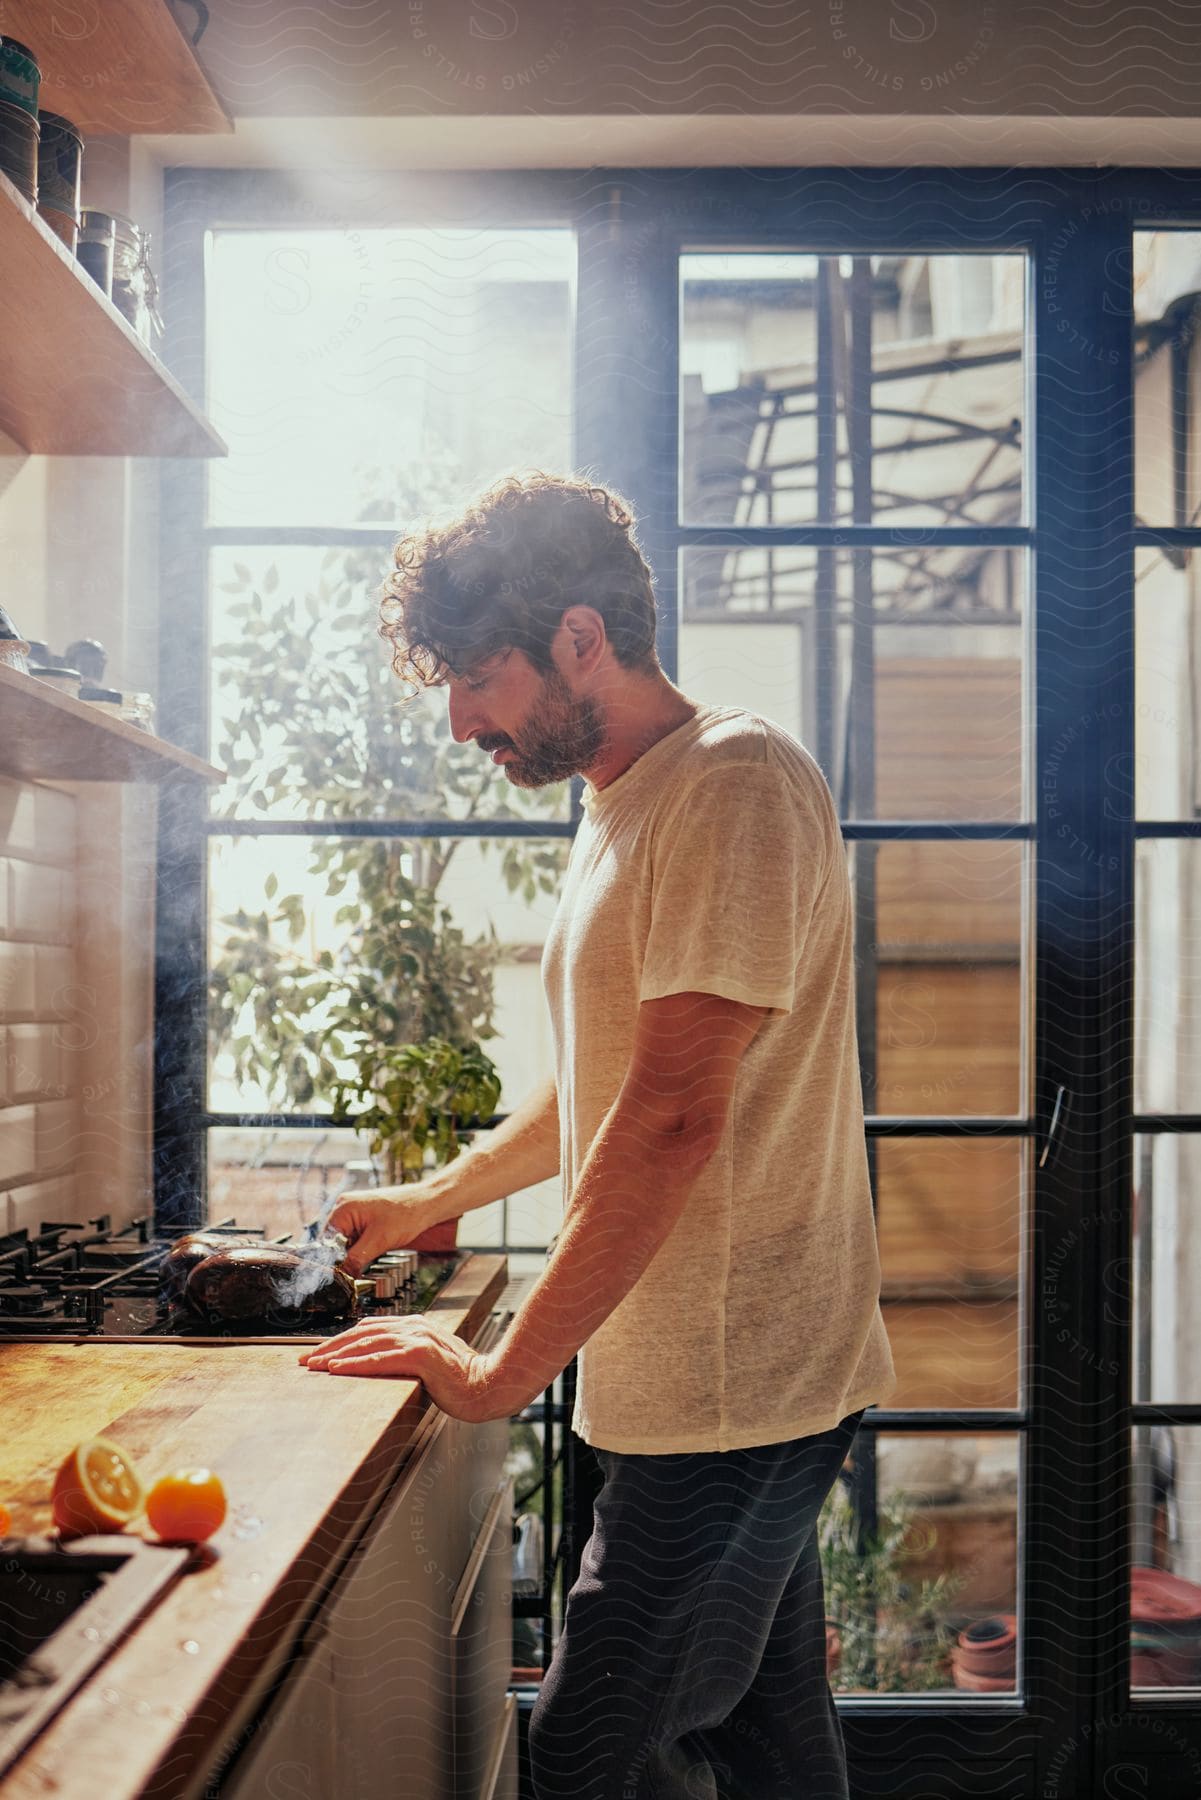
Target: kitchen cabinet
397	1690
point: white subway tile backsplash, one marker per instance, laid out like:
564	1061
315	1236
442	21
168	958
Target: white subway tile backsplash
18	1143
54	824
40	1202
57	1140
39	902
18	824
37	821
54	974
17	979
35	1063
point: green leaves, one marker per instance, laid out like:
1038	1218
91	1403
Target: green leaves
419	1096
313	724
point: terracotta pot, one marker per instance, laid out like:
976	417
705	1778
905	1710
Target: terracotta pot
833	1649
1165	1629
438	1237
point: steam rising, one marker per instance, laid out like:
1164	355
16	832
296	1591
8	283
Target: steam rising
320	1253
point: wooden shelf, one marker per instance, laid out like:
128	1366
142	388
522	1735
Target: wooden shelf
49	736
75	378
117	67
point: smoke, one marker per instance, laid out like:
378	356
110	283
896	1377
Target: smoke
318	1256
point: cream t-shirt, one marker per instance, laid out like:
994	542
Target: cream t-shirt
714	863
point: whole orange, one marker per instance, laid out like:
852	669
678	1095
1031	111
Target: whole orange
186	1506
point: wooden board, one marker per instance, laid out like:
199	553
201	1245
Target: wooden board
46	735
304	1457
75	378
116	67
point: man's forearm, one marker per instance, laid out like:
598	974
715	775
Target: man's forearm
631	1191
514	1155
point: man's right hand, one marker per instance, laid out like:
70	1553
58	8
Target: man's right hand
373	1220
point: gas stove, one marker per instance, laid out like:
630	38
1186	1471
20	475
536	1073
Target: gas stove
70	1281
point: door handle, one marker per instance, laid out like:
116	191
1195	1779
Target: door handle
1059	1112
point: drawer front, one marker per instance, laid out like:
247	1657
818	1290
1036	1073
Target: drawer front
389	1628
482	1648
501	1782
293	1748
472	1462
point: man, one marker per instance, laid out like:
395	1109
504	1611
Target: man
717	1267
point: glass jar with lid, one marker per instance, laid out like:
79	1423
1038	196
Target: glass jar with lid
135	288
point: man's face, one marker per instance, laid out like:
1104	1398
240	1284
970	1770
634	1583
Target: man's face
539	730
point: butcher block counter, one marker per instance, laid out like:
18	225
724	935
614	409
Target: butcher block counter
338	1636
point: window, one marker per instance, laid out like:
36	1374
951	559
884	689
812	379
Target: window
914	454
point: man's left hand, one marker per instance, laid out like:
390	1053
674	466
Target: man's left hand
452	1373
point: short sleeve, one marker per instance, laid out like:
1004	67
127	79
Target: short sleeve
736	868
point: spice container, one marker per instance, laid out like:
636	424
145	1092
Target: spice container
135	289
20	82
60	162
89	657
95	252
138	709
14	651
67	681
106	700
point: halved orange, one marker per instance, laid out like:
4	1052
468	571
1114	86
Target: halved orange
98	1488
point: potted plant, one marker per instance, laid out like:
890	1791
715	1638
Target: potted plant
885	1632
394	1015
415	1101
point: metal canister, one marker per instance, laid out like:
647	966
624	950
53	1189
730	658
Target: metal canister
95	252
20	76
60	166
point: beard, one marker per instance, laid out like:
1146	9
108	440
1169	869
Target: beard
564	736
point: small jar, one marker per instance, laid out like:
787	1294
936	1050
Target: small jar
14	651
135	290
105	700
89	657
67	681
95	251
138	709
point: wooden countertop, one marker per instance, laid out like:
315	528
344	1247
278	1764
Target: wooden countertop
304	1457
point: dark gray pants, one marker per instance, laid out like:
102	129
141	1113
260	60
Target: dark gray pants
692	1661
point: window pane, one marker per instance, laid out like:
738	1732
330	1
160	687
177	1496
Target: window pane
371	375
285	1024
278	1179
1167	276
1165	1268
775	430
941	1563
941	1025
902	671
1167	988
1167	780
308	717
1165	1621
949	1219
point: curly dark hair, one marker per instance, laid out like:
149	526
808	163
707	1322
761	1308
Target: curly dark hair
503	573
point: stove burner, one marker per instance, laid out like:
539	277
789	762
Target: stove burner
27	1300
71	1280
